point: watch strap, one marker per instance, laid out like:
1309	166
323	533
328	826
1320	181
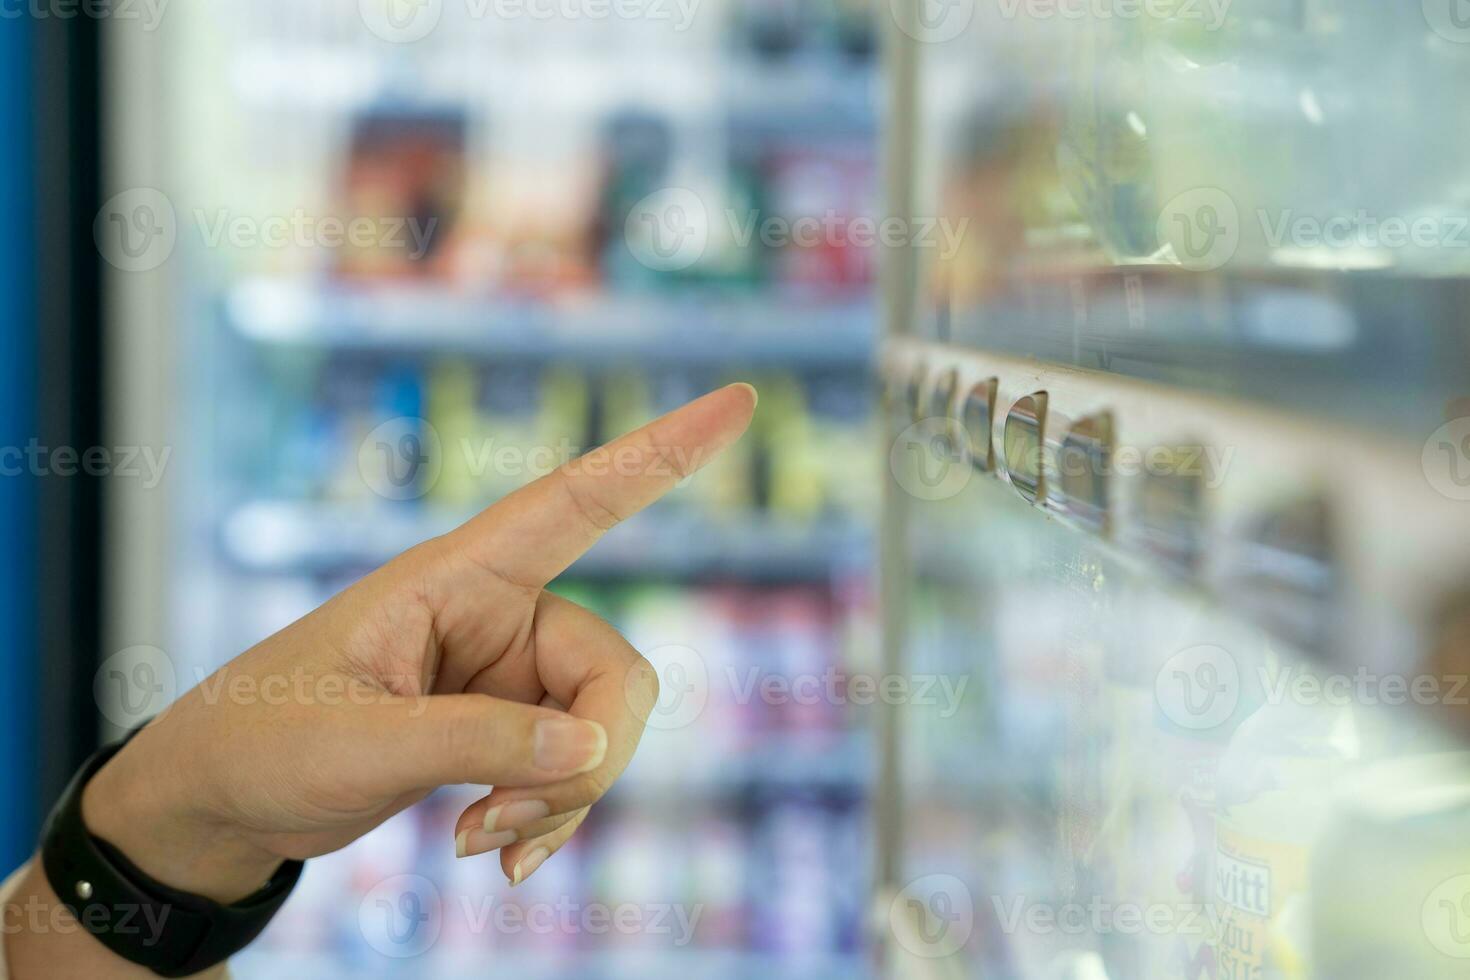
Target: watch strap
171	932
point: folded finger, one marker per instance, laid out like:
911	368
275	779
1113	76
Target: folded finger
520	860
587	665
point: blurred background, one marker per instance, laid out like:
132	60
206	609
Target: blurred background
1131	462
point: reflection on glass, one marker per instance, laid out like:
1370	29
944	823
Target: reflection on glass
1255	176
915	395
1023	441
951	445
978	412
1264	199
1391	874
1146	787
1284	570
1170	518
895	391
941	400
1261	135
1085	465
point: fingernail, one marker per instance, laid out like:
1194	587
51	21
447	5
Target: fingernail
471	842
527	865
568	745
513	816
753	392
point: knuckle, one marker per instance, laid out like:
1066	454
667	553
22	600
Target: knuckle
462	745
661	461
547	826
593	511
681	466
642	687
588	788
473	740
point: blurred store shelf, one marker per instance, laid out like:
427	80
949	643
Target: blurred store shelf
811	99
288	536
685	329
840	762
604	964
815	95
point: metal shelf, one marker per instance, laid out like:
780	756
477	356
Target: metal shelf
714	328
1333	539
1331	344
290	536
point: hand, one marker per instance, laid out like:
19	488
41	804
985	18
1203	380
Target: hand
450	664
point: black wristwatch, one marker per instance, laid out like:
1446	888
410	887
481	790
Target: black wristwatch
172	933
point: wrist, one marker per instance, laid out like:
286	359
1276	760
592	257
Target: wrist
142	803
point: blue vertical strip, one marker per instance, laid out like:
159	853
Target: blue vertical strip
18	424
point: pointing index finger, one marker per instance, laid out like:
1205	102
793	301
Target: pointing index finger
534	534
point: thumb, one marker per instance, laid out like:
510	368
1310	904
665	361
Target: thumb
405	744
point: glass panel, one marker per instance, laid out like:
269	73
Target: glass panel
1259	198
1120	779
1113	780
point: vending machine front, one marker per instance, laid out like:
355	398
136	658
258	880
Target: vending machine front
1178	401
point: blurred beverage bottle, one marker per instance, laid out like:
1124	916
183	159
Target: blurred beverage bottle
793	462
841	429
563	420
454	413
533	421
